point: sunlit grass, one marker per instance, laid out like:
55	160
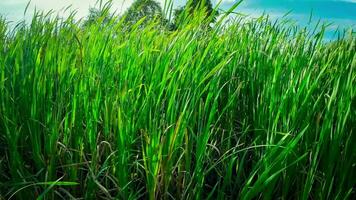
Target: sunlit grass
254	109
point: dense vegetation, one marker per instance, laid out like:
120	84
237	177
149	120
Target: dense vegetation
249	109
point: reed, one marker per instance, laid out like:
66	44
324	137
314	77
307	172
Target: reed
249	109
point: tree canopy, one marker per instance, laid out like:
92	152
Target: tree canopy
148	9
151	11
191	8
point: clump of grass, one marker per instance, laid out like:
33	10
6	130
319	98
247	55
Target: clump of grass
254	109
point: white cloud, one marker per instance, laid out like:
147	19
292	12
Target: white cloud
81	6
226	1
13	9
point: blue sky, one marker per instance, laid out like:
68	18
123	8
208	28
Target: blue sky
330	10
341	12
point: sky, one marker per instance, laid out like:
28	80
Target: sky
342	13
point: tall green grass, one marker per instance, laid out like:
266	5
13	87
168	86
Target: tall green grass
250	109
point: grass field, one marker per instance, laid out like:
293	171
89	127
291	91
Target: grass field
250	110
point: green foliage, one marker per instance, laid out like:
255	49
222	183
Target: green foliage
204	5
96	17
146	11
202	8
247	110
99	16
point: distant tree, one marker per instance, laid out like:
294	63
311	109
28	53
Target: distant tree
148	9
98	16
201	4
178	17
192	6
